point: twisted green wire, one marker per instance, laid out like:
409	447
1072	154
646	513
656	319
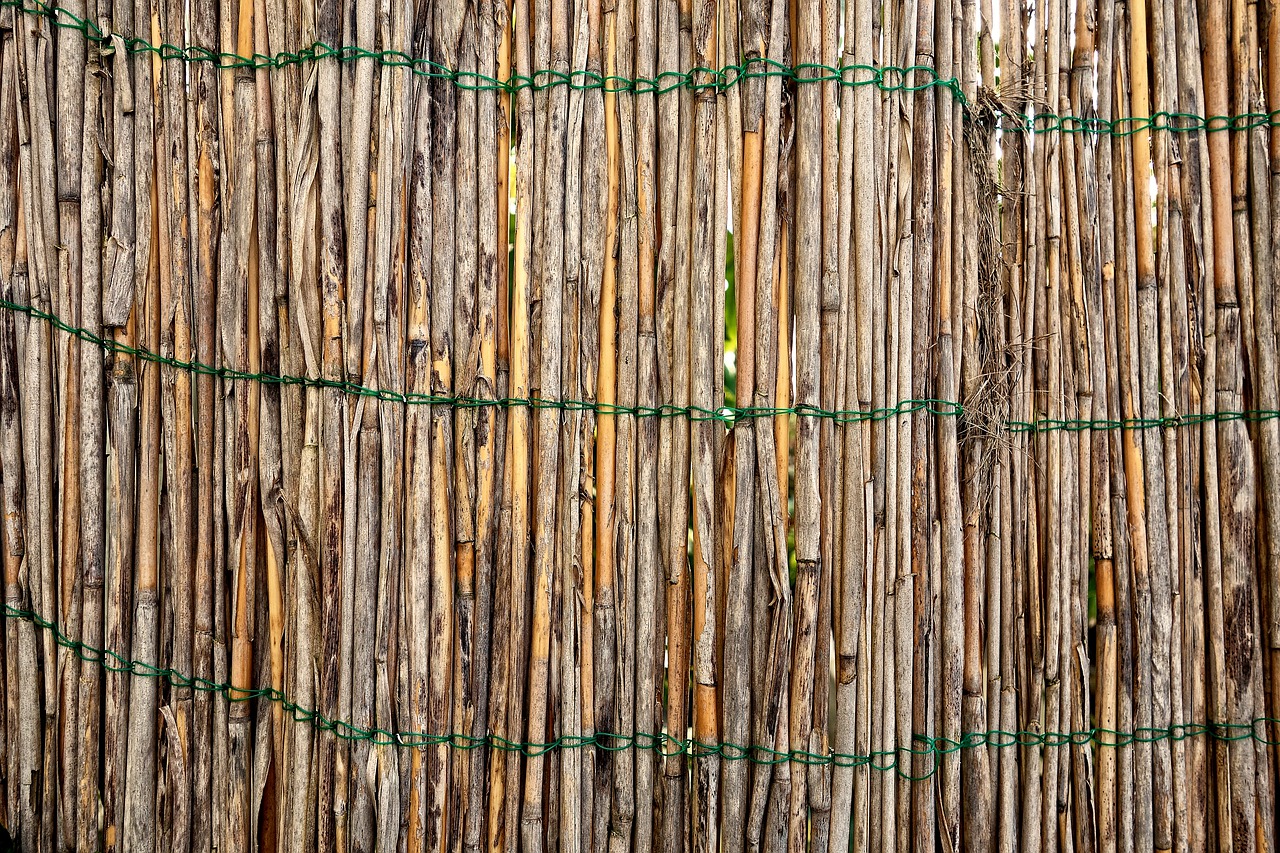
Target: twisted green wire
661	742
890	78
727	415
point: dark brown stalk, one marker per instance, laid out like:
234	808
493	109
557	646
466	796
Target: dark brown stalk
924	129
138	826
675	802
240	335
465	371
549	281
703	368
648	547
207	227
38	190
1198	229
388	317
1012	151
492	220
330	532
19	636
500	651
92	441
808	339
74	96
418	446
776	631
622	810
444	222
1232	272
736	698
587	205
1269	373
175	342
361	649
572	713
272	252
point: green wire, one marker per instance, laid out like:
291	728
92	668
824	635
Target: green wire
661	743
727	415
911	78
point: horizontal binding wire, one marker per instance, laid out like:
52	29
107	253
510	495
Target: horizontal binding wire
922	757
727	415
911	78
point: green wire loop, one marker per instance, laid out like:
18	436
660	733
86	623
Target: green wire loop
923	758
725	415
906	79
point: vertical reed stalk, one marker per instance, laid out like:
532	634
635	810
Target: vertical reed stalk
703	367
648	547
138	825
418	446
204	289
92	440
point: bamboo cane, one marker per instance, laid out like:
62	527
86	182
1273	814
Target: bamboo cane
776	820
648	548
239	329
1198	272
736	698
1175	357
8	216
491	214
899	713
922	275
465	372
546	471
521	383
1104	553
1255	243
575	799
951	631
138	824
1012	147
175	404
361	278
622	811
330	538
808	302
675	819
774	633
604	619
42	352
91	475
1236	477
854	279
20	639
1266	335
73	92
204	288
391	226
703	364
1055	452
448	26
591	260
500	674
417	581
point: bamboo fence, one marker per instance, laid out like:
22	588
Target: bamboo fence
387	466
